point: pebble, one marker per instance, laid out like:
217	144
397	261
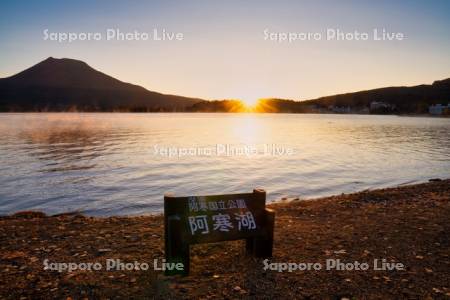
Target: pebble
104	250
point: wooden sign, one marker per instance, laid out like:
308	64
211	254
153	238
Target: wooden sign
216	218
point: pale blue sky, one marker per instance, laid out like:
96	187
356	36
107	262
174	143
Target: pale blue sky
224	54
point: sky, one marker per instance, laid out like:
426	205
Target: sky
232	49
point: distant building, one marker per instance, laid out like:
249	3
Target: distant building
340	109
381	107
376	105
439	109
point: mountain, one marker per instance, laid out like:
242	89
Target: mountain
68	84
414	99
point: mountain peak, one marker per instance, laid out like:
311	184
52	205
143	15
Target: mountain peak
64	61
51	58
65	73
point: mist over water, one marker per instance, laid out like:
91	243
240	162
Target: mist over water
106	164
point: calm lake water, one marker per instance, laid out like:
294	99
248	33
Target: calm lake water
119	164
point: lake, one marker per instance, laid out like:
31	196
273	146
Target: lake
122	164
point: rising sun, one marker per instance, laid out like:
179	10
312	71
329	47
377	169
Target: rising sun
250	102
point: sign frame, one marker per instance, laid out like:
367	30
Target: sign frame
179	225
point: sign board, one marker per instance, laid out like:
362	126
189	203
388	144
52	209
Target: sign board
216	218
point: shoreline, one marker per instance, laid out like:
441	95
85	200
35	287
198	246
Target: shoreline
407	224
222	112
282	200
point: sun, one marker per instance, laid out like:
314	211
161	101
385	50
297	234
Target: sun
250	102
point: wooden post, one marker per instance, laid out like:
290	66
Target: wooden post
262	246
176	248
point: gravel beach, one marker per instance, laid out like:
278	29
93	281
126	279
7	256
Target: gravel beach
405	228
